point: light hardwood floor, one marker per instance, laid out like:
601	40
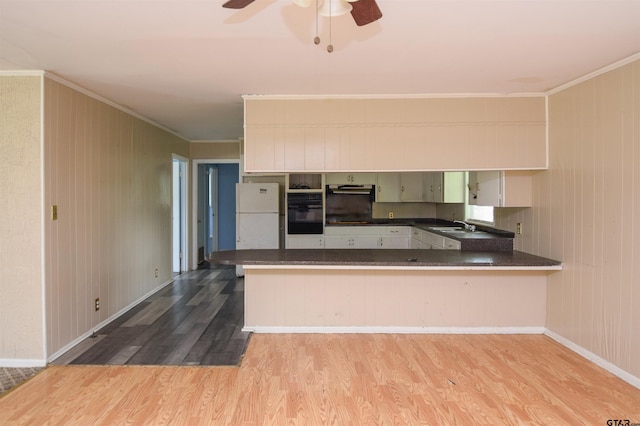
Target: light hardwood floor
341	379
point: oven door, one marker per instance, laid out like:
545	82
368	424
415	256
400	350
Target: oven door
304	213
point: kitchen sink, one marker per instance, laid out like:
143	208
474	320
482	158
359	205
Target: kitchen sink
446	229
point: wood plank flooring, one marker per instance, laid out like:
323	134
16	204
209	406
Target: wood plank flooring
341	379
196	320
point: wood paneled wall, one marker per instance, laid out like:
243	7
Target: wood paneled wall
215	150
587	207
21	322
487	301
109	173
394	134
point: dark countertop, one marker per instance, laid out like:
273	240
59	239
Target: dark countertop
484	239
406	258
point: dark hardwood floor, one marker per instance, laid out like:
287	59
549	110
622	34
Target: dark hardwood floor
196	320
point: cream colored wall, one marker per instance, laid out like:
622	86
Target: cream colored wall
383	299
409	134
215	150
403	210
109	173
21	322
586	214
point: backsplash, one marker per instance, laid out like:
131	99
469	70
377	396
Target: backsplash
404	210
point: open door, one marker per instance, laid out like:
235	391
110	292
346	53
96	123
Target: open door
179	215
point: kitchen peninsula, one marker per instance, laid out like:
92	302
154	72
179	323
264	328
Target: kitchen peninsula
386	290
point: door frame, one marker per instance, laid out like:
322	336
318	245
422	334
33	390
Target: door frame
194	199
212	214
183	222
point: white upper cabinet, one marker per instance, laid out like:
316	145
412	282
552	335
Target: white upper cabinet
444	187
395	135
411	187
351	178
388	188
500	188
448	187
400	187
433	187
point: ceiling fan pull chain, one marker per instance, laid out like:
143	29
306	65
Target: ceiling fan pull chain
330	46
316	40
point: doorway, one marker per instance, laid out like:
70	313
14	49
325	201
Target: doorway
179	215
214	207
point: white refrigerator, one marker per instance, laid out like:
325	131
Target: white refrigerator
257	217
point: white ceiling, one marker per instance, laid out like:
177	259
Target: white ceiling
185	64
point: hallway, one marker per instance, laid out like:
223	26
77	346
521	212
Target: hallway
196	320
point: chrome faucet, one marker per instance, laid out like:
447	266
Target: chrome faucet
467	226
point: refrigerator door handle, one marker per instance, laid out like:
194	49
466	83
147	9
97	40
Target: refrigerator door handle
237	231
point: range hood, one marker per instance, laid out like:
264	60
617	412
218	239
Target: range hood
350	189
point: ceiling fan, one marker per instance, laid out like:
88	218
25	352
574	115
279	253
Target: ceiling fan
363	11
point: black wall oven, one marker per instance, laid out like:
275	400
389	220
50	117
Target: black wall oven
304	213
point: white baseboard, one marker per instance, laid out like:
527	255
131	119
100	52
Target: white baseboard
79	339
611	368
396	330
22	363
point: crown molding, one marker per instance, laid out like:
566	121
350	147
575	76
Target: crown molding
594	74
97	97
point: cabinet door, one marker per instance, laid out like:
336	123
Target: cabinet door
365	242
351	178
501	189
450	244
411	187
394	242
388	188
427	187
485	188
337	178
416	243
363	178
433	241
338	242
437	187
304	241
452	187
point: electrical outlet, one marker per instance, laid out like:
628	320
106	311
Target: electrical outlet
518	228
390	215
155	273
96	304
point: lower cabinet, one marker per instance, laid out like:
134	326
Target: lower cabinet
354	242
372	237
427	240
367	237
389	242
304	241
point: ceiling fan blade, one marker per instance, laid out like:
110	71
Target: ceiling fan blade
237	4
365	12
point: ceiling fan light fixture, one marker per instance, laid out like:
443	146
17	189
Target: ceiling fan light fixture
303	3
334	8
